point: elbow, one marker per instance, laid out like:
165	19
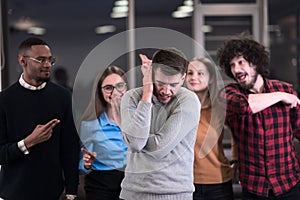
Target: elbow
135	148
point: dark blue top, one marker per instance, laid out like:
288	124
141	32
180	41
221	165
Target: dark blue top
50	165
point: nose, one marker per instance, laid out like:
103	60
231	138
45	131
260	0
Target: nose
193	76
112	90
166	89
235	68
47	63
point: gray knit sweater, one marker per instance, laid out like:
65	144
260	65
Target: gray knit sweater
160	140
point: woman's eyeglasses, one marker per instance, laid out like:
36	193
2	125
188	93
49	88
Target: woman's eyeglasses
121	87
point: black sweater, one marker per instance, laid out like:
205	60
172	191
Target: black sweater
51	165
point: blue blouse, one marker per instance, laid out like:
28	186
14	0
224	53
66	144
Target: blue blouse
105	138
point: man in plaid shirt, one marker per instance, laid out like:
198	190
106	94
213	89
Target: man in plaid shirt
264	117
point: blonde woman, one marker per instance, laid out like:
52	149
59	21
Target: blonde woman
213	172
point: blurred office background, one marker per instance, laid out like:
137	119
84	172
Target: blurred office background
74	28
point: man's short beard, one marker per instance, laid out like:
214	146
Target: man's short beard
45	79
251	84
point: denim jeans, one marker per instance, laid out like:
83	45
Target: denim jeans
222	191
292	194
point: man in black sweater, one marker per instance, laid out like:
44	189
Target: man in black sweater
39	144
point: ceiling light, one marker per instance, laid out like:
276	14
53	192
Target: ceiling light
36	30
207	29
180	14
105	29
118	15
121	3
185	8
23	23
188	3
120	9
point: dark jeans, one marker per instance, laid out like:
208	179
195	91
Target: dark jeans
292	194
222	191
103	185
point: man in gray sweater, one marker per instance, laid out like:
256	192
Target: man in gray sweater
159	124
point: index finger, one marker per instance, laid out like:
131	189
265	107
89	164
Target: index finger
87	152
52	123
145	59
142	57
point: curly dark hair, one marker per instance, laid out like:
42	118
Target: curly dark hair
252	51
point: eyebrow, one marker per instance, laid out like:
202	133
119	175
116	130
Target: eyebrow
197	70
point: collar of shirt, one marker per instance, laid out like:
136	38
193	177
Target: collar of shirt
268	86
30	87
104	121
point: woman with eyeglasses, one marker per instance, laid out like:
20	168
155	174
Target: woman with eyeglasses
103	156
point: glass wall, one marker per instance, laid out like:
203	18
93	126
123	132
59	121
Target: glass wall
284	48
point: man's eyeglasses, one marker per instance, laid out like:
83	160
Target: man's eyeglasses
121	87
42	60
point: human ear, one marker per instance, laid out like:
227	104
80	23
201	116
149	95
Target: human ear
252	65
22	61
183	76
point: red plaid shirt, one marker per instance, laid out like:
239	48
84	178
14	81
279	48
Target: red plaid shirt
267	157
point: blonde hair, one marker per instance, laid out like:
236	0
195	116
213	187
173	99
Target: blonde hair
214	78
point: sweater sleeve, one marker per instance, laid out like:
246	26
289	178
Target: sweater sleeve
136	120
181	119
9	151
